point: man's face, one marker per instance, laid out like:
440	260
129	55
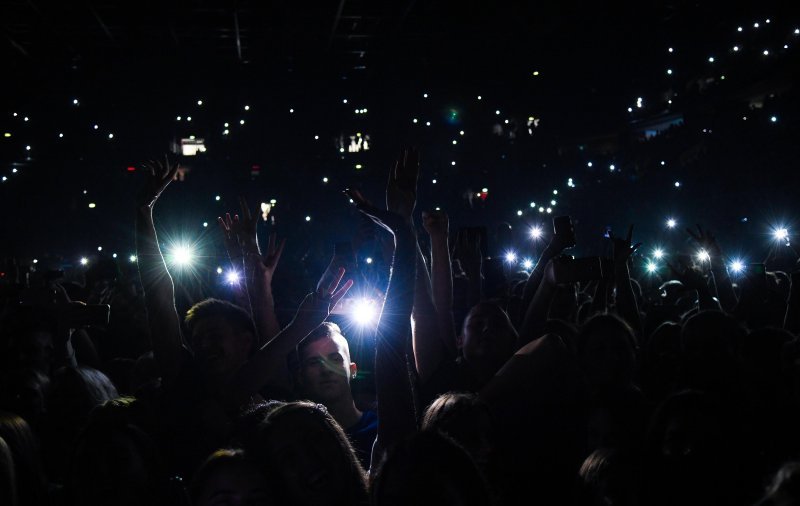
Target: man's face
325	369
219	347
488	336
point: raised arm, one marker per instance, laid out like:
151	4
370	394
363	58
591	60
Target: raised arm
552	250
396	405
792	319
626	305
437	225
723	286
268	365
159	292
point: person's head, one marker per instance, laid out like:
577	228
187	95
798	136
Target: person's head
115	462
428	469
22	463
606	349
466	419
607	477
221	334
325	367
308	456
488	339
228	477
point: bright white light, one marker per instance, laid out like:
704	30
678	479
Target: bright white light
555	192
527	264
739	29
84	261
217	198
92	205
737	266
25	118
27	148
132	259
232	277
533	205
710	59
434	181
308	218
14	170
182	255
766	52
677	184
75	101
651	267
324	179
511	257
114	255
735	48
612	167
177	118
368	260
479	97
99	248
780	233
188	118
669	49
484	190
461	132
60	136
205	224
364	311
519	212
424	95
541	209
630	109
110	136
291	111
344	100
774	119
453	162
671	223
316	137
415	120
35	261
241	122
797	31
455	142
589	164
247	108
219	270
497	112
755	25
639	102
703	256
552	202
536	232
549	210
5	178
669	72
658	253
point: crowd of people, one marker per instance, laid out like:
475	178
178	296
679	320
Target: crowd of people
554	385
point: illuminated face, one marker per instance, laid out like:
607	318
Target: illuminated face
488	336
219	348
325	369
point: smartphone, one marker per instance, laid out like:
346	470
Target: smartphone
575	270
562	227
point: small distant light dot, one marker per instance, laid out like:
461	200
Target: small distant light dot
291	111
344	101
555	192
427	123
358	166
84	261
316	137
308	218
455	141
663	163
767	21
7	134
766	52
205	224
484	190
247	108
519	212
774	119
85	192
25	118
630	109
669	72
226	132
241	122
479	97
506	122
434	181
736	48
368	260
14	170
96	127
415	120
589	164
188	118
552	202
453	162
27	148
199	102
497	112
75	101
548	210
722	77
710	59
92	205
424	95
60	136
341	150
217	198
5	178
99	248
669	49
755	25
461	132
219	270
677	184
739	29
35	261
744	118
797	31
541	209
324	179
110	136
114	255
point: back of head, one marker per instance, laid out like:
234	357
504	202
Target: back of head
8	476
227	473
711	334
25	463
428	469
234	315
606	349
607	476
466	419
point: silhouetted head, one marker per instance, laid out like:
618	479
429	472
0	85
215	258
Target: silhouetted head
222	336
488	339
228	477
466	419
606	349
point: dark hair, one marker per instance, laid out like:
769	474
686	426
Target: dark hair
8	479
26	464
603	324
217	460
326	329
234	315
356	485
446	411
432	469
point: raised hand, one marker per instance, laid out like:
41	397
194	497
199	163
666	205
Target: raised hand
229	236
622	249
318	305
435	223
158	176
401	189
269	260
690	278
706	240
389	220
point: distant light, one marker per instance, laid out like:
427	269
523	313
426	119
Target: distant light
639	102
455	142
519	212
669	72
739	29
199	102
114	255
527	264
774	119
484	190
188	118
308	218
14	170
710	59
767	21
7	135
737	266
273	201
453	162
75	101
536	232
766	52
669	49
217	198
497	112
226	132
671	223
358	166
555	192
35	261
415	120
132	259
60	136
535	72
755	25
589	164
612	167
780	233
324	179
663	163
291	111
703	256
735	48
424	95
368	260
511	257
797	31
677	184
427	123
341	150
658	253
226	125
548	210
533	205
219	270
316	137
25	118
630	109
99	248
552	202
541	209
461	132
651	267
232	277
92	205
177	118
433	181
241	122
479	97
84	261
110	136
27	148
205	224
506	122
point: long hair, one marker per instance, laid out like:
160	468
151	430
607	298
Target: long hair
26	464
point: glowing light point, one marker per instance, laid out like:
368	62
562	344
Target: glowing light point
677	184
92	205
364	312
774	119
735	49
703	255
324	179
669	72
589	164
368	260
766	52
453	162
308	218
232	278
555	192
427	123
497	112
291	111
217	198
461	132
511	257
433	181
658	253
110	136
84	261
219	270
527	264
99	248
479	97
205	224
241	122
519	212
75	101
182	255
651	267
737	266
35	261
780	233
671	223
536	232
740	29
710	59
549	210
